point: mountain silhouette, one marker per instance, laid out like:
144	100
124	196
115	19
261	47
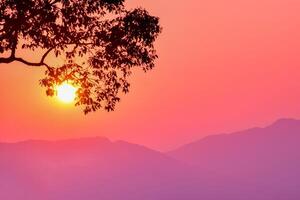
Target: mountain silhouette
258	163
255	164
89	168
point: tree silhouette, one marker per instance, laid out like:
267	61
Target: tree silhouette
108	37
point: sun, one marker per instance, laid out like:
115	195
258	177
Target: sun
66	92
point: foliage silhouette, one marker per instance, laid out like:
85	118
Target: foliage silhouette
109	38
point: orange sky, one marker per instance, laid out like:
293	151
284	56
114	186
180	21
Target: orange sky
224	65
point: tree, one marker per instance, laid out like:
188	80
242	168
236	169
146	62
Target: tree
108	37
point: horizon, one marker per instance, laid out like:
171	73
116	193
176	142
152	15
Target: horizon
280	120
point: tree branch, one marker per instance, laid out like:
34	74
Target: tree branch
31	63
6	60
46	54
12	58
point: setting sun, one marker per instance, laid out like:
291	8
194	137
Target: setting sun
66	92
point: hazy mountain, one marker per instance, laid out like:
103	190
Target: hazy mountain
256	164
93	168
259	163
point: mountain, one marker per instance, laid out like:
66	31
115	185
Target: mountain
255	164
259	163
92	168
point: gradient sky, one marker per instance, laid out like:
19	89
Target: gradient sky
224	65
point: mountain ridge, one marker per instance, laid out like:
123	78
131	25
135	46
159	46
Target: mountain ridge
254	164
282	122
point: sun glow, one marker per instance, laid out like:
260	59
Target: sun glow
66	92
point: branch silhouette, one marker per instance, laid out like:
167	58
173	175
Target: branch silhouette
109	39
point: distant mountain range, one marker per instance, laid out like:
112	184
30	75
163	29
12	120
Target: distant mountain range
255	164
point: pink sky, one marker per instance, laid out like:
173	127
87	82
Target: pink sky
224	65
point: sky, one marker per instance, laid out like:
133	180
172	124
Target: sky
224	66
